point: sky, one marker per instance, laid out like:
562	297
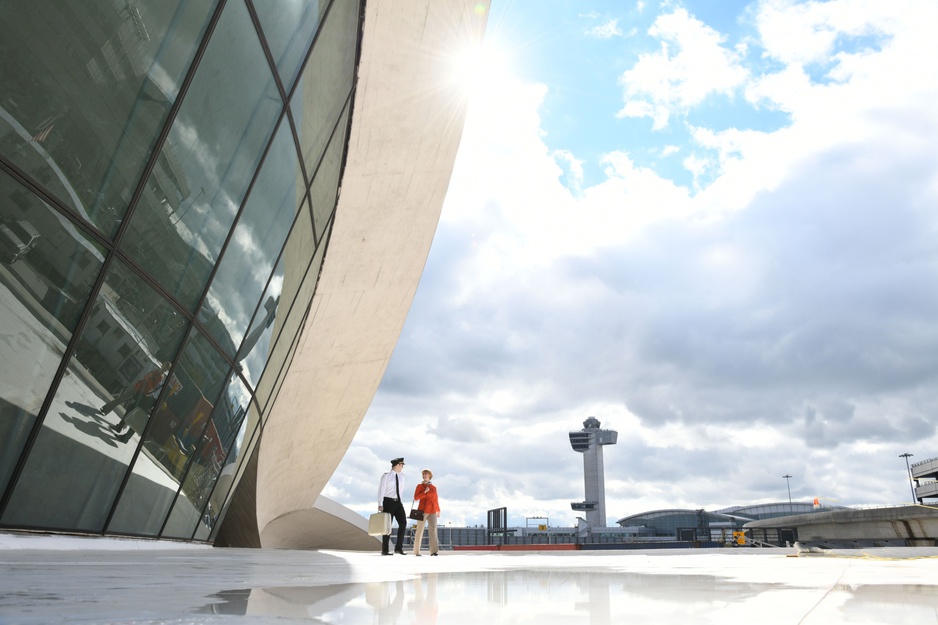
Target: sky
711	225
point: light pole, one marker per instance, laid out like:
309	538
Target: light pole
788	483
908	471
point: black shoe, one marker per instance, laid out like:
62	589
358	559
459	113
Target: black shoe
434	554
400	553
385	553
417	555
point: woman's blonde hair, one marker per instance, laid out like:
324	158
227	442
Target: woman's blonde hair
427	471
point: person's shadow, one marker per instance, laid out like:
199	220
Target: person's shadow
97	426
84	409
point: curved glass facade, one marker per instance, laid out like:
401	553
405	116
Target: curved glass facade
169	171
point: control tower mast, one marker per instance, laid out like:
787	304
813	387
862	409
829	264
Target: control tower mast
589	441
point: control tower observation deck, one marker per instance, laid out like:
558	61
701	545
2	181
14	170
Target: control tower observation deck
589	441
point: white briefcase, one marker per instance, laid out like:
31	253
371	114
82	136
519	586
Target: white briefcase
379	524
137	420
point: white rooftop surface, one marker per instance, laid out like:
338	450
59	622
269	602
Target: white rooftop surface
75	580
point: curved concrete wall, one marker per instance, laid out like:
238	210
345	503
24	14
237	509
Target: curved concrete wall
406	125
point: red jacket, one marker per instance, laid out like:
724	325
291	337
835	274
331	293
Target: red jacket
150	382
427	501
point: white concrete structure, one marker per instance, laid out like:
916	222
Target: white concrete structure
897	526
924	475
244	191
406	126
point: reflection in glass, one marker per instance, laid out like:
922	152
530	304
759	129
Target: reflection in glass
258	238
88	92
79	459
47	269
289	28
326	81
203	171
225	428
323	192
252	356
239	457
87	87
274	375
298	288
174	430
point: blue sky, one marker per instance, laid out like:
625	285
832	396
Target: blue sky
586	79
712	226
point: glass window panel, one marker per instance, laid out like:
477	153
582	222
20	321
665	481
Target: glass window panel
86	89
47	269
326	81
258	238
295	269
275	373
209	159
232	473
178	420
325	185
253	353
299	286
209	456
79	461
289	28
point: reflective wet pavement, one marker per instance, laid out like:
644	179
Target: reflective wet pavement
111	581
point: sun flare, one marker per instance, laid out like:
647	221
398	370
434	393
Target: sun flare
477	68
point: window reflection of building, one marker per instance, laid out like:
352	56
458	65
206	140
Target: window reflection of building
161	229
91	84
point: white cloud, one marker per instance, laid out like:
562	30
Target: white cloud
573	168
778	321
800	33
448	428
607	30
671	81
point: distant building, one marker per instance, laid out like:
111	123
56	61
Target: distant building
689	524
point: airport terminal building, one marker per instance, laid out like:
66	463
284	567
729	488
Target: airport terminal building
213	218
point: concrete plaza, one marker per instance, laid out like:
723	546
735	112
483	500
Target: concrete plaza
83	580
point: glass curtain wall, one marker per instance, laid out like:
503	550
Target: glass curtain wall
168	179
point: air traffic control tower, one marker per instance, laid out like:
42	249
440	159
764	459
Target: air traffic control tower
589	441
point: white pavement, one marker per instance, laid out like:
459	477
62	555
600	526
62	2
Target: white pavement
74	580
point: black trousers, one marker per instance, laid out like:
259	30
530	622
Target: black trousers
396	509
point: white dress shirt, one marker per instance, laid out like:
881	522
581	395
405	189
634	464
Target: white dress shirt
388	489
